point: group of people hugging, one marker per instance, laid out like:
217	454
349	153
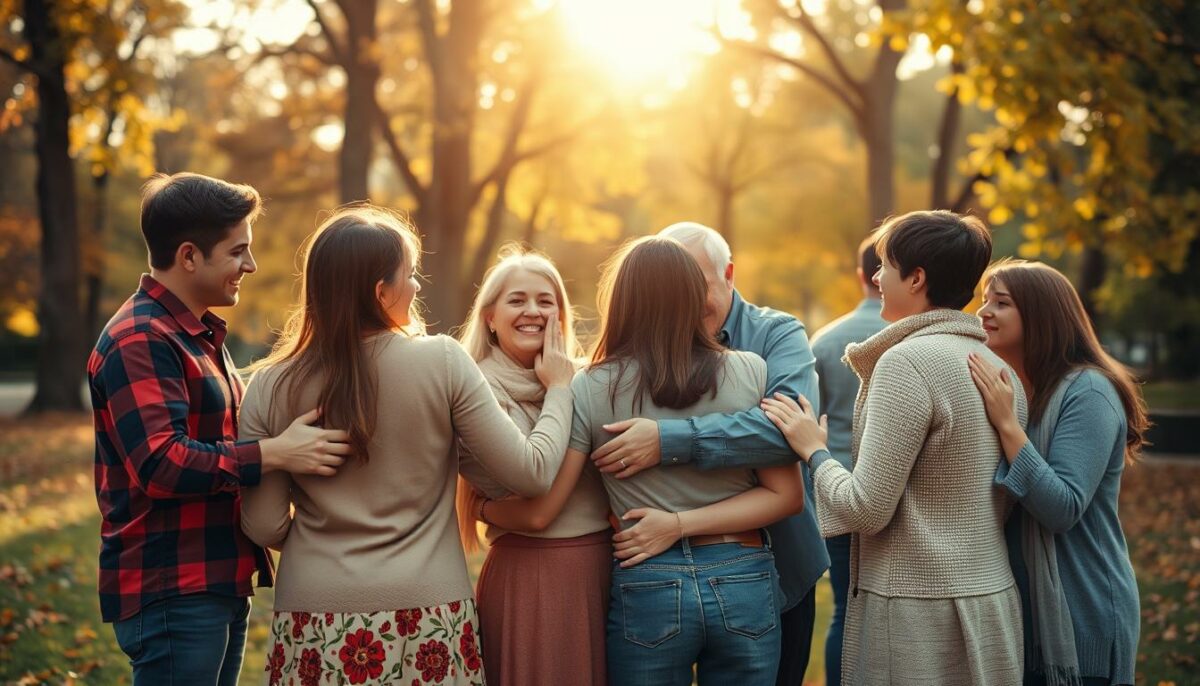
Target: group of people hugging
656	509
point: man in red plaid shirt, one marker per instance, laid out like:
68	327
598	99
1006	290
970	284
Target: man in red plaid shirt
175	568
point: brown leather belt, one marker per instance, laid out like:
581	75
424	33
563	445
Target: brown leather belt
750	539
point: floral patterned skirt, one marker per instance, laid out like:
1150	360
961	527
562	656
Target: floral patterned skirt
427	645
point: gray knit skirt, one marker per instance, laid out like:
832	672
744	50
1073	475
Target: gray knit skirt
974	640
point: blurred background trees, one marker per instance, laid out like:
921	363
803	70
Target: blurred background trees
792	126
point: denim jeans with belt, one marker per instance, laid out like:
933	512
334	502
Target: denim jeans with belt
188	639
714	606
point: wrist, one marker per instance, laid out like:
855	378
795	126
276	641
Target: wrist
270	450
1011	429
684	523
481	513
811	450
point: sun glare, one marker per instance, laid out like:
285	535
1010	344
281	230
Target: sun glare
650	42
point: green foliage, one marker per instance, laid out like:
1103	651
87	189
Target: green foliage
1093	121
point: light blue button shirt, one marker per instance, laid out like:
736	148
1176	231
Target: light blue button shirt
748	439
838	383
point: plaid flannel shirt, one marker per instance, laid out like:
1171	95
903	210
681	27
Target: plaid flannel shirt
168	466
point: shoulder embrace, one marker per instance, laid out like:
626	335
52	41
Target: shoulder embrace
742	363
1091	382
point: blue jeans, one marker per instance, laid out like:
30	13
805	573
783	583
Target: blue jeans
715	606
189	639
839	579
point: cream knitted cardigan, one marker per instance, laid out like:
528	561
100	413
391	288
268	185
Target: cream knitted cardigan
928	521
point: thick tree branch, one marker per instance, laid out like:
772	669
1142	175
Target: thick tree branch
24	65
805	21
516	125
340	54
847	98
504	167
427	22
968	188
269	52
399	157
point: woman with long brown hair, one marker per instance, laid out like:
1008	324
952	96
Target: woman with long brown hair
1087	420
372	583
696	585
545	579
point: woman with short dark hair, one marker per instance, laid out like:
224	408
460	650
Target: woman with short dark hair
932	597
1087	421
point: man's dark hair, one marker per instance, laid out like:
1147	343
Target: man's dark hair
953	249
192	208
868	258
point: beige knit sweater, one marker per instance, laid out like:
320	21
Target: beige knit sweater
921	499
521	395
383	535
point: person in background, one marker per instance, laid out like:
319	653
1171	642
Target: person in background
176	571
743	439
839	387
1087	422
373	583
932	597
546	576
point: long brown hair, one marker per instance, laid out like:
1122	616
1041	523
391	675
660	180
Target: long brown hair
652	298
1059	338
346	257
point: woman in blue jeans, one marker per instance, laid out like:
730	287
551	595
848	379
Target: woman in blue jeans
696	583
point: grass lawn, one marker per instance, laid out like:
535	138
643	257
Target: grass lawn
1172	395
50	628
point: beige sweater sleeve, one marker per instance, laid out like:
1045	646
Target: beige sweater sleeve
267	507
899	412
524	465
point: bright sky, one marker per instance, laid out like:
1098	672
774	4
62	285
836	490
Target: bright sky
648	48
647	43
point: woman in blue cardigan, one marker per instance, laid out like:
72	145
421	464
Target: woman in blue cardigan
1086	422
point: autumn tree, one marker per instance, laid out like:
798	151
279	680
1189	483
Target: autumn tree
1094	145
867	90
446	166
79	56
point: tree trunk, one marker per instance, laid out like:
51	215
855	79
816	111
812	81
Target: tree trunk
725	199
1091	276
531	224
362	74
939	197
879	139
876	124
60	348
491	235
455	88
95	264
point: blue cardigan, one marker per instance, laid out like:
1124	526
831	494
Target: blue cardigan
1072	490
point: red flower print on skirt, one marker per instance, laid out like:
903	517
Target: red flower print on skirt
469	648
433	659
275	664
408	622
426	646
362	656
299	621
310	667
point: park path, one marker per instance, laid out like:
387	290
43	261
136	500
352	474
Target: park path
15	395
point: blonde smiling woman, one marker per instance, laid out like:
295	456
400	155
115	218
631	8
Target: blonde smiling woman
545	579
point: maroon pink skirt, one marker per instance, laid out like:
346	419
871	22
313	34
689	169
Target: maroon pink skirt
542	609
